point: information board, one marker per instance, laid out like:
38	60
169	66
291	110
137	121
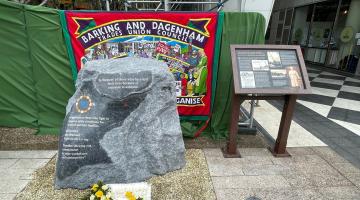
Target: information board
269	69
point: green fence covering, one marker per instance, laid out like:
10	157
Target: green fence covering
18	105
238	28
35	75
36	79
51	67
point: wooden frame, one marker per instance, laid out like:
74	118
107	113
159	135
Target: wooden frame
273	91
289	96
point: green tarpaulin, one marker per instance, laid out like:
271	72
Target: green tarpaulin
238	28
35	75
36	79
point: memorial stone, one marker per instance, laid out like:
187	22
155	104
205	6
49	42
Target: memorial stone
121	125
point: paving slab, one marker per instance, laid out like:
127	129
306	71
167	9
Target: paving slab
354	178
12	186
245	152
30	163
287	194
310	173
300	151
27	154
225	169
314	168
265	169
336	193
16	169
7	162
291	161
212	152
254	160
15	173
8	196
268	194
329	155
345	167
328	179
226	194
263	181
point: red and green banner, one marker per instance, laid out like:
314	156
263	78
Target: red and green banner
185	41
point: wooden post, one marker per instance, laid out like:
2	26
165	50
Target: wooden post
231	150
286	118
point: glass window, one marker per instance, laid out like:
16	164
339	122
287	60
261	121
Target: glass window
301	23
279	31
323	21
345	52
289	13
285	36
282	15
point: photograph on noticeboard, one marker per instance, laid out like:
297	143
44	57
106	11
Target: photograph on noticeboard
247	79
295	79
278	73
274	59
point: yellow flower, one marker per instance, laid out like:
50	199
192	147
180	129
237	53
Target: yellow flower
99	193
95	187
130	196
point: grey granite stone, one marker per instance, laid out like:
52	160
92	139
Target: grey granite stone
121	125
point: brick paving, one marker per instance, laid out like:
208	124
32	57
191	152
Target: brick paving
16	168
311	173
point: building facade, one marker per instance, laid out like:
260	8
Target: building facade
328	31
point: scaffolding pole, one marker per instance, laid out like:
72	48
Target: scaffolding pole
144	1
193	2
107	5
168	5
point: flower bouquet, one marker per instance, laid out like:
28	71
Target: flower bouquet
99	191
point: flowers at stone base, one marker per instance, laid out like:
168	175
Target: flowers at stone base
99	191
130	196
104	187
95	187
99	194
109	195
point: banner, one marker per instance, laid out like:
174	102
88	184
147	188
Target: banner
185	41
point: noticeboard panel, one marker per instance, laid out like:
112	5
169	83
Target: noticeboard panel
269	69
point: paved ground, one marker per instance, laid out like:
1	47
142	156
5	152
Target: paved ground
311	173
328	117
324	142
16	168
